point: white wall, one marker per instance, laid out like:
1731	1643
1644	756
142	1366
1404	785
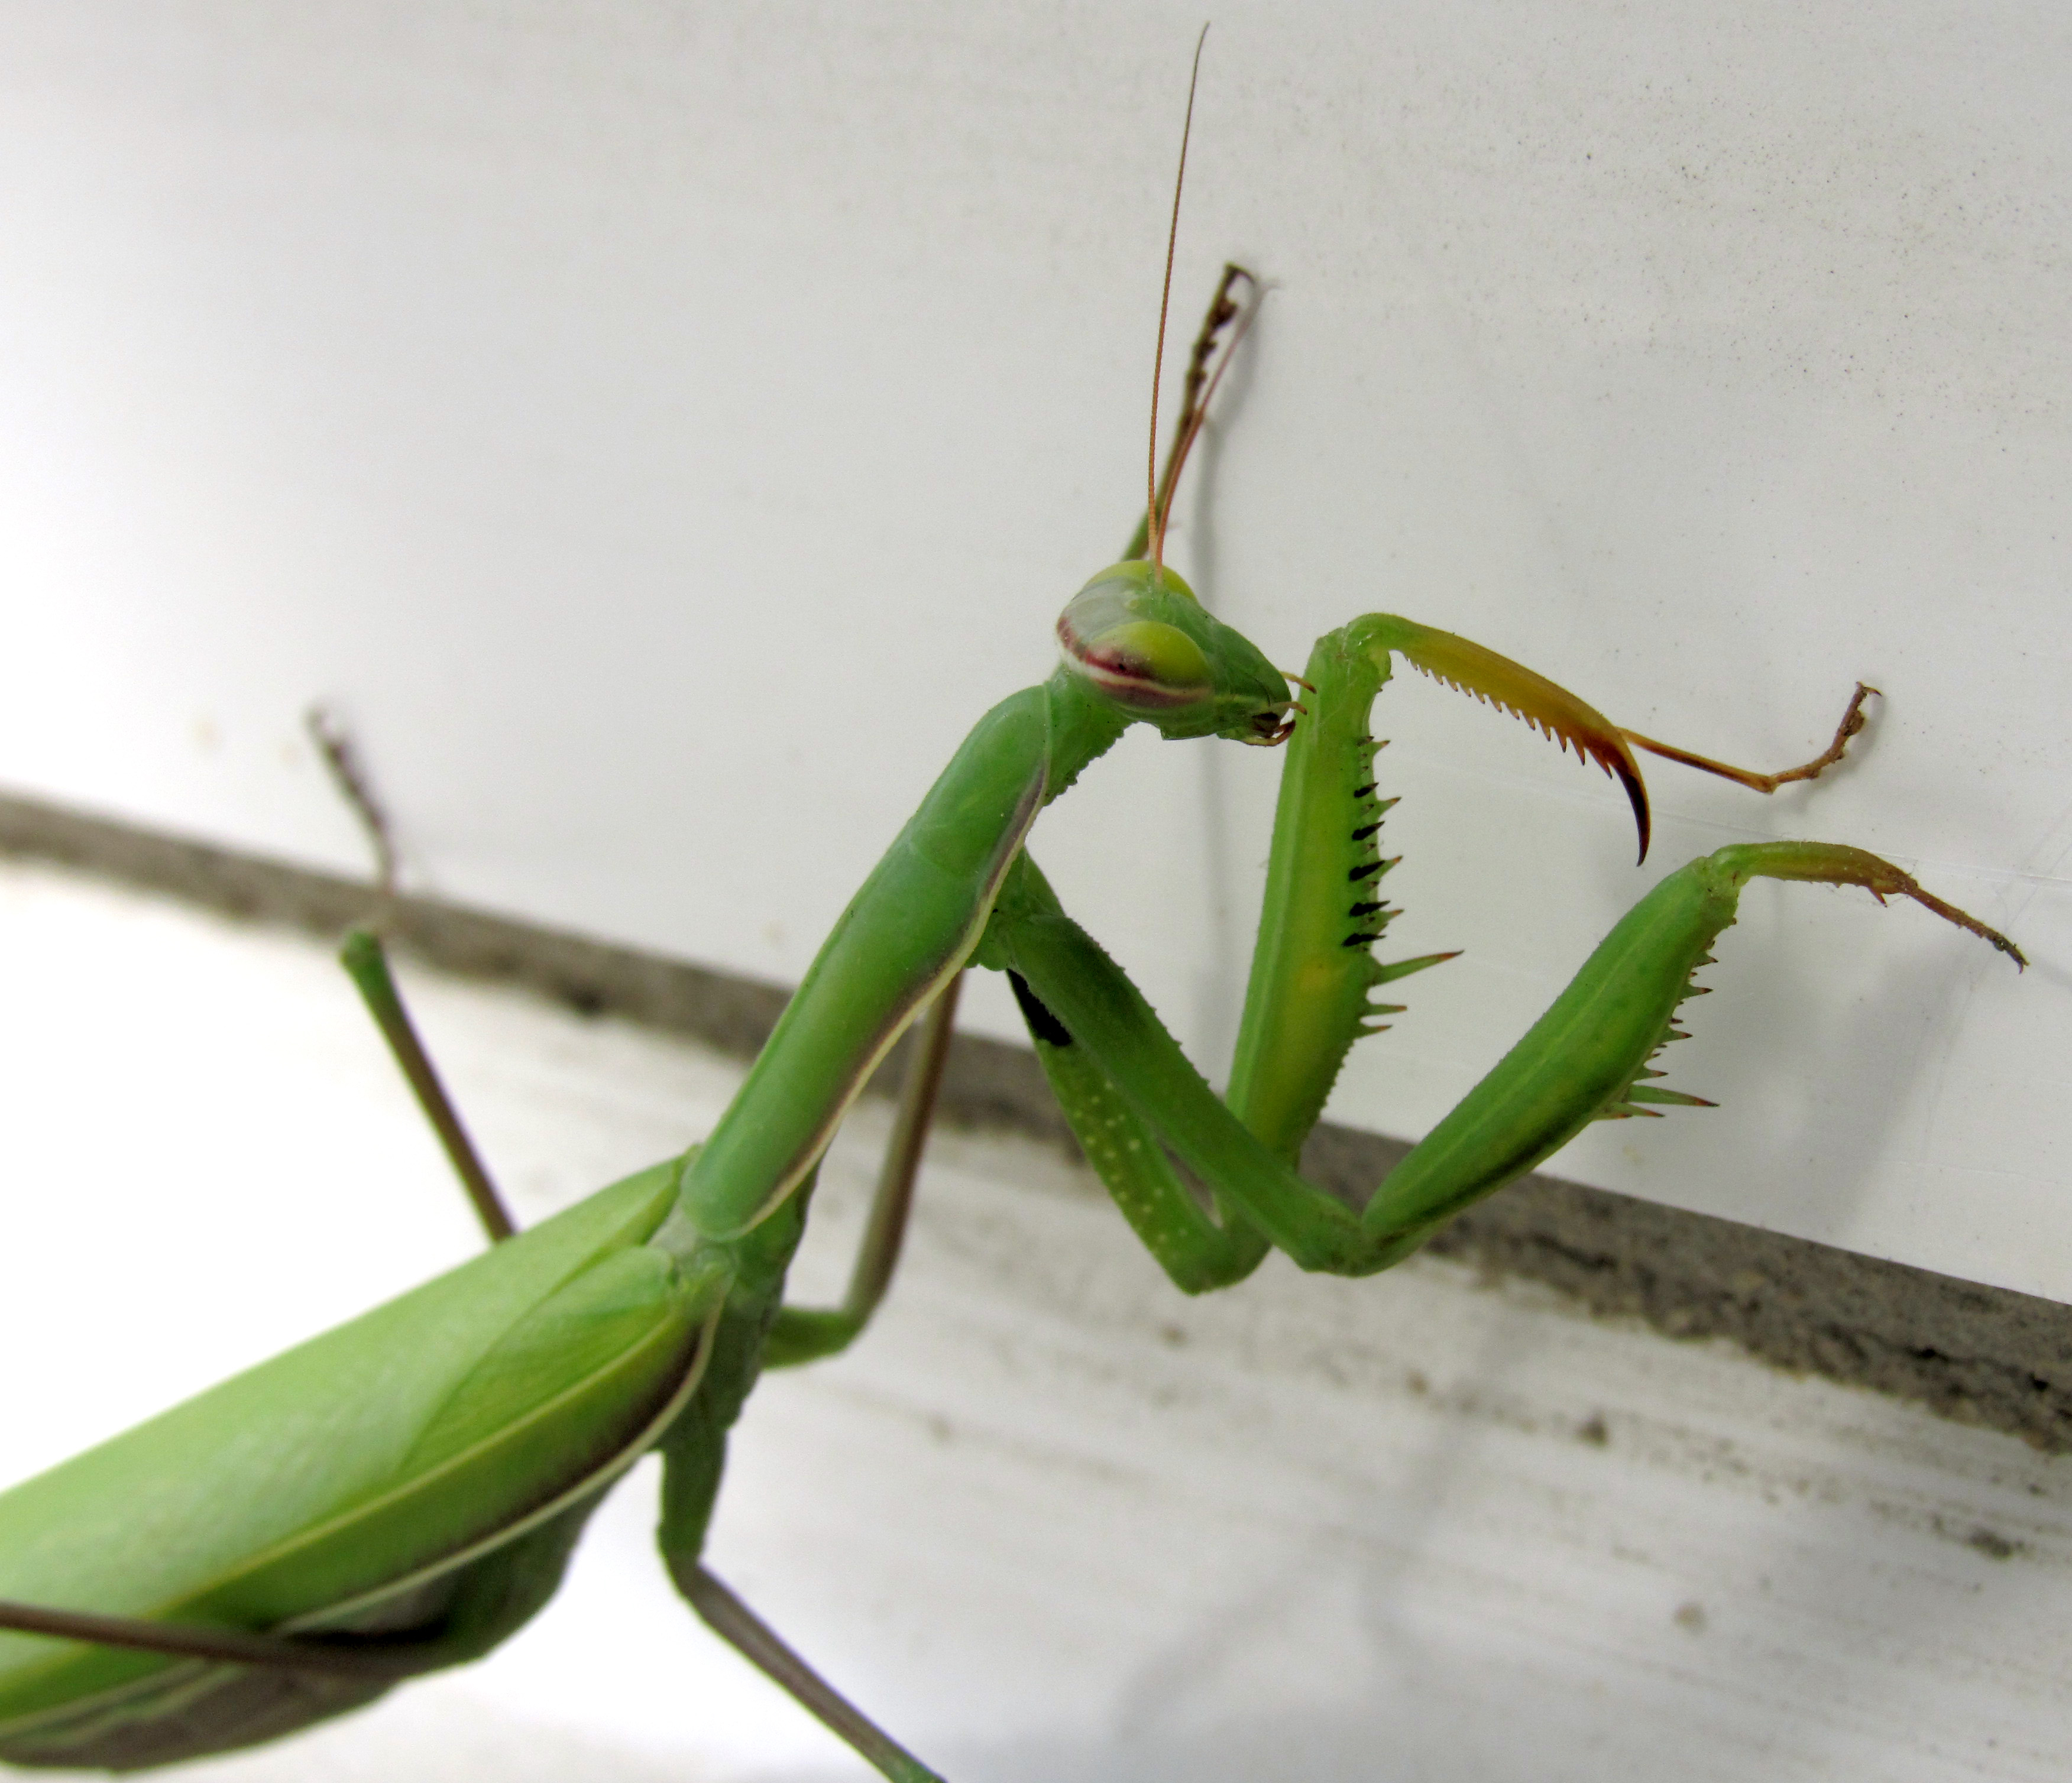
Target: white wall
663	432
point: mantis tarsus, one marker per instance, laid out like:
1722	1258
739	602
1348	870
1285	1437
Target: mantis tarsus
408	1488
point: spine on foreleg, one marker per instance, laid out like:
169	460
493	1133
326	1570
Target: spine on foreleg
1582	1061
1313	970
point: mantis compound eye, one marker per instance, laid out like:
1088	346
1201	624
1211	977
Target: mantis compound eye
1141	664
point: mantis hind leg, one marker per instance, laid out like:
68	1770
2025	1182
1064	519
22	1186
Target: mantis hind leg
693	1458
366	959
752	1637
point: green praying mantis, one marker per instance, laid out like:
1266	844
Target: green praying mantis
401	1493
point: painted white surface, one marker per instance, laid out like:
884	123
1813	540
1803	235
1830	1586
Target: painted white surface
1048	1519
662	432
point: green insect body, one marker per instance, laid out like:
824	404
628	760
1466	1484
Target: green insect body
401	1493
402	1471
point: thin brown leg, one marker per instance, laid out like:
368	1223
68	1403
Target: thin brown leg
1852	721
879	1254
749	1635
1203	372
363	955
341	760
803	1334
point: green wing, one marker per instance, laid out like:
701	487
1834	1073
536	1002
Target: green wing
371	1478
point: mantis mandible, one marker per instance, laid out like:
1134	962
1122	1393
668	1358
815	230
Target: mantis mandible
402	1492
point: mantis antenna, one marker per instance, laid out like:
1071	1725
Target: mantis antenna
1206	367
1165	304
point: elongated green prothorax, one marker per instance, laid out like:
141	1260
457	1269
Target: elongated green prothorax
1137	646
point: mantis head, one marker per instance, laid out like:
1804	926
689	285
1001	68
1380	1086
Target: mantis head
1136	636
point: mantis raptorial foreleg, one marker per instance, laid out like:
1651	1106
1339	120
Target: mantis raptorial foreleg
1131	1095
1585	1060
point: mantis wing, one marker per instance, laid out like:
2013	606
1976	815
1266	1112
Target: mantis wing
417	1476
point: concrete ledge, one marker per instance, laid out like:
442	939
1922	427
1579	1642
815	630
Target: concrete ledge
1980	1355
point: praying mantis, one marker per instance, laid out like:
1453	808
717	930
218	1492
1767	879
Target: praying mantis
490	1409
